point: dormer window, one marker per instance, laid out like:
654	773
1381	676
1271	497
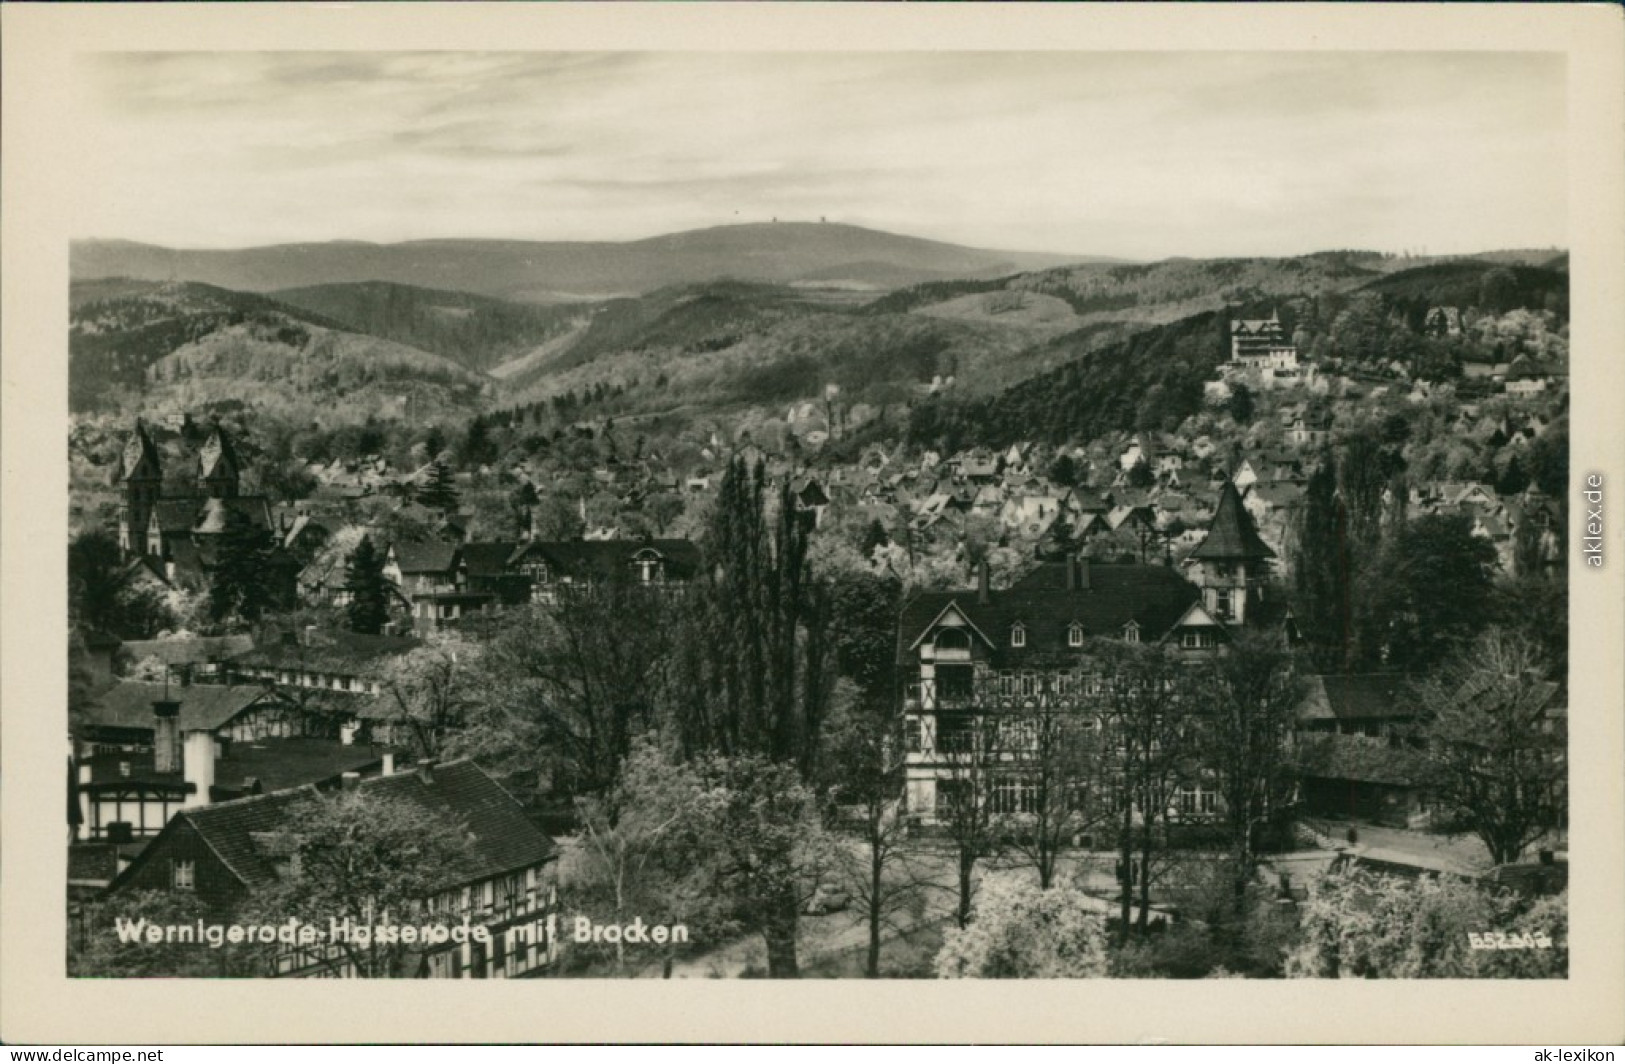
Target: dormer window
1018	635
1131	632
1074	635
649	568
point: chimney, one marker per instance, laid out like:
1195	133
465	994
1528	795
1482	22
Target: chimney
1083	574
984	577
81	798
389	764
252	785
1548	858
351	780
1071	573
166	736
199	769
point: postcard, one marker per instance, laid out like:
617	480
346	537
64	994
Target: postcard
793	523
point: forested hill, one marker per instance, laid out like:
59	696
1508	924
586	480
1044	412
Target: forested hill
195	344
1382	329
1146	380
118	327
476	332
1482	285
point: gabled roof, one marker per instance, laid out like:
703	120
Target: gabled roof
1355	696
204	707
953	606
1153	596
488	559
198	650
1231	536
217	458
277	764
425	557
504	839
140	457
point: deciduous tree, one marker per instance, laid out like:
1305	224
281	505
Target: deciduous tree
1022	931
1495	734
366	858
432	689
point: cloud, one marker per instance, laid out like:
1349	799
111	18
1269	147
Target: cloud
1136	154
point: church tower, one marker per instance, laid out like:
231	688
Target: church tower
1231	562
141	473
217	466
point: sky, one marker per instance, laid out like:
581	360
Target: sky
1141	155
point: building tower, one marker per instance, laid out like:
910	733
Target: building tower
1231	562
141	472
218	475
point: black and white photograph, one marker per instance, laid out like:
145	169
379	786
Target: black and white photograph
628	514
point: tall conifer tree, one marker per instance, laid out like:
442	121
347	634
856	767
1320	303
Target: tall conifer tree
369	589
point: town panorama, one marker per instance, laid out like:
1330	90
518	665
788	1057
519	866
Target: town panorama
820	602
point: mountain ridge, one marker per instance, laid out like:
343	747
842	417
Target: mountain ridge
540	271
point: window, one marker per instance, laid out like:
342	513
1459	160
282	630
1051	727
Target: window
1014	796
1194	800
1195	640
1074	635
954	733
1222	603
182	875
1018	736
954	683
123	768
1018	636
952	796
911	734
1131	632
1029	684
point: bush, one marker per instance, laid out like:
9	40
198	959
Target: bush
1021	931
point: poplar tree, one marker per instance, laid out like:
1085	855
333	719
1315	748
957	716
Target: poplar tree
1321	572
758	671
